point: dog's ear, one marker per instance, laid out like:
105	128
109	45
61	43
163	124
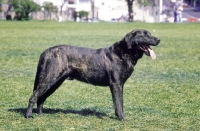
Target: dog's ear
129	39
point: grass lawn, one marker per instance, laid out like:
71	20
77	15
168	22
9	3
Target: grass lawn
161	94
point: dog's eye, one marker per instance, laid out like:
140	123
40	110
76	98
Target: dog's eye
134	34
147	34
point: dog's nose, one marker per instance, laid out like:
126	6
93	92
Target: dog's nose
158	40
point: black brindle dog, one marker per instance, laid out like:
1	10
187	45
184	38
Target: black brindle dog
103	67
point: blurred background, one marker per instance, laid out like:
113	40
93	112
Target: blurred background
100	10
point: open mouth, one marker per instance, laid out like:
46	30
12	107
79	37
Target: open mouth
148	51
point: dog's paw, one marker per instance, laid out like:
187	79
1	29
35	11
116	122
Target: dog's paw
120	116
40	113
27	116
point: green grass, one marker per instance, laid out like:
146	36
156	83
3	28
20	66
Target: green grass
161	94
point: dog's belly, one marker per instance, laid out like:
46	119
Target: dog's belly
98	80
96	75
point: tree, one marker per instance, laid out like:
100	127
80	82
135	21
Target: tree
141	2
92	7
23	8
61	7
151	3
49	7
130	9
9	6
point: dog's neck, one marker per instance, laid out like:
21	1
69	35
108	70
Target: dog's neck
121	46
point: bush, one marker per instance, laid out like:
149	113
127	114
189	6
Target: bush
83	13
24	8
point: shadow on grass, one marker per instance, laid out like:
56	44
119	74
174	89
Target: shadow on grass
83	112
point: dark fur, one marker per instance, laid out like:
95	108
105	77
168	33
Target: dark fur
104	67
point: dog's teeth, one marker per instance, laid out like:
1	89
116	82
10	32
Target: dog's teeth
152	54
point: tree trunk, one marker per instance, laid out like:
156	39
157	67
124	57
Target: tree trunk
61	7
92	7
130	9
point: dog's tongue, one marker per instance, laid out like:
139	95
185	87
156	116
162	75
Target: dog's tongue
152	54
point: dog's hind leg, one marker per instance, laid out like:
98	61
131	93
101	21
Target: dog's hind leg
54	85
33	99
40	94
44	89
52	89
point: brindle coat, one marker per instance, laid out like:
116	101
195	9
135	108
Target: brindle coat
104	67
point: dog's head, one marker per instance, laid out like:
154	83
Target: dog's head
141	40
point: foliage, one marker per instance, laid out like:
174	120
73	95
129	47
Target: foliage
5	1
83	13
144	2
1	1
49	7
24	8
161	95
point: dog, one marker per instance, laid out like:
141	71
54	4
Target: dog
110	66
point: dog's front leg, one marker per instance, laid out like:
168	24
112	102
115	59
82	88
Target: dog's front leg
117	96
